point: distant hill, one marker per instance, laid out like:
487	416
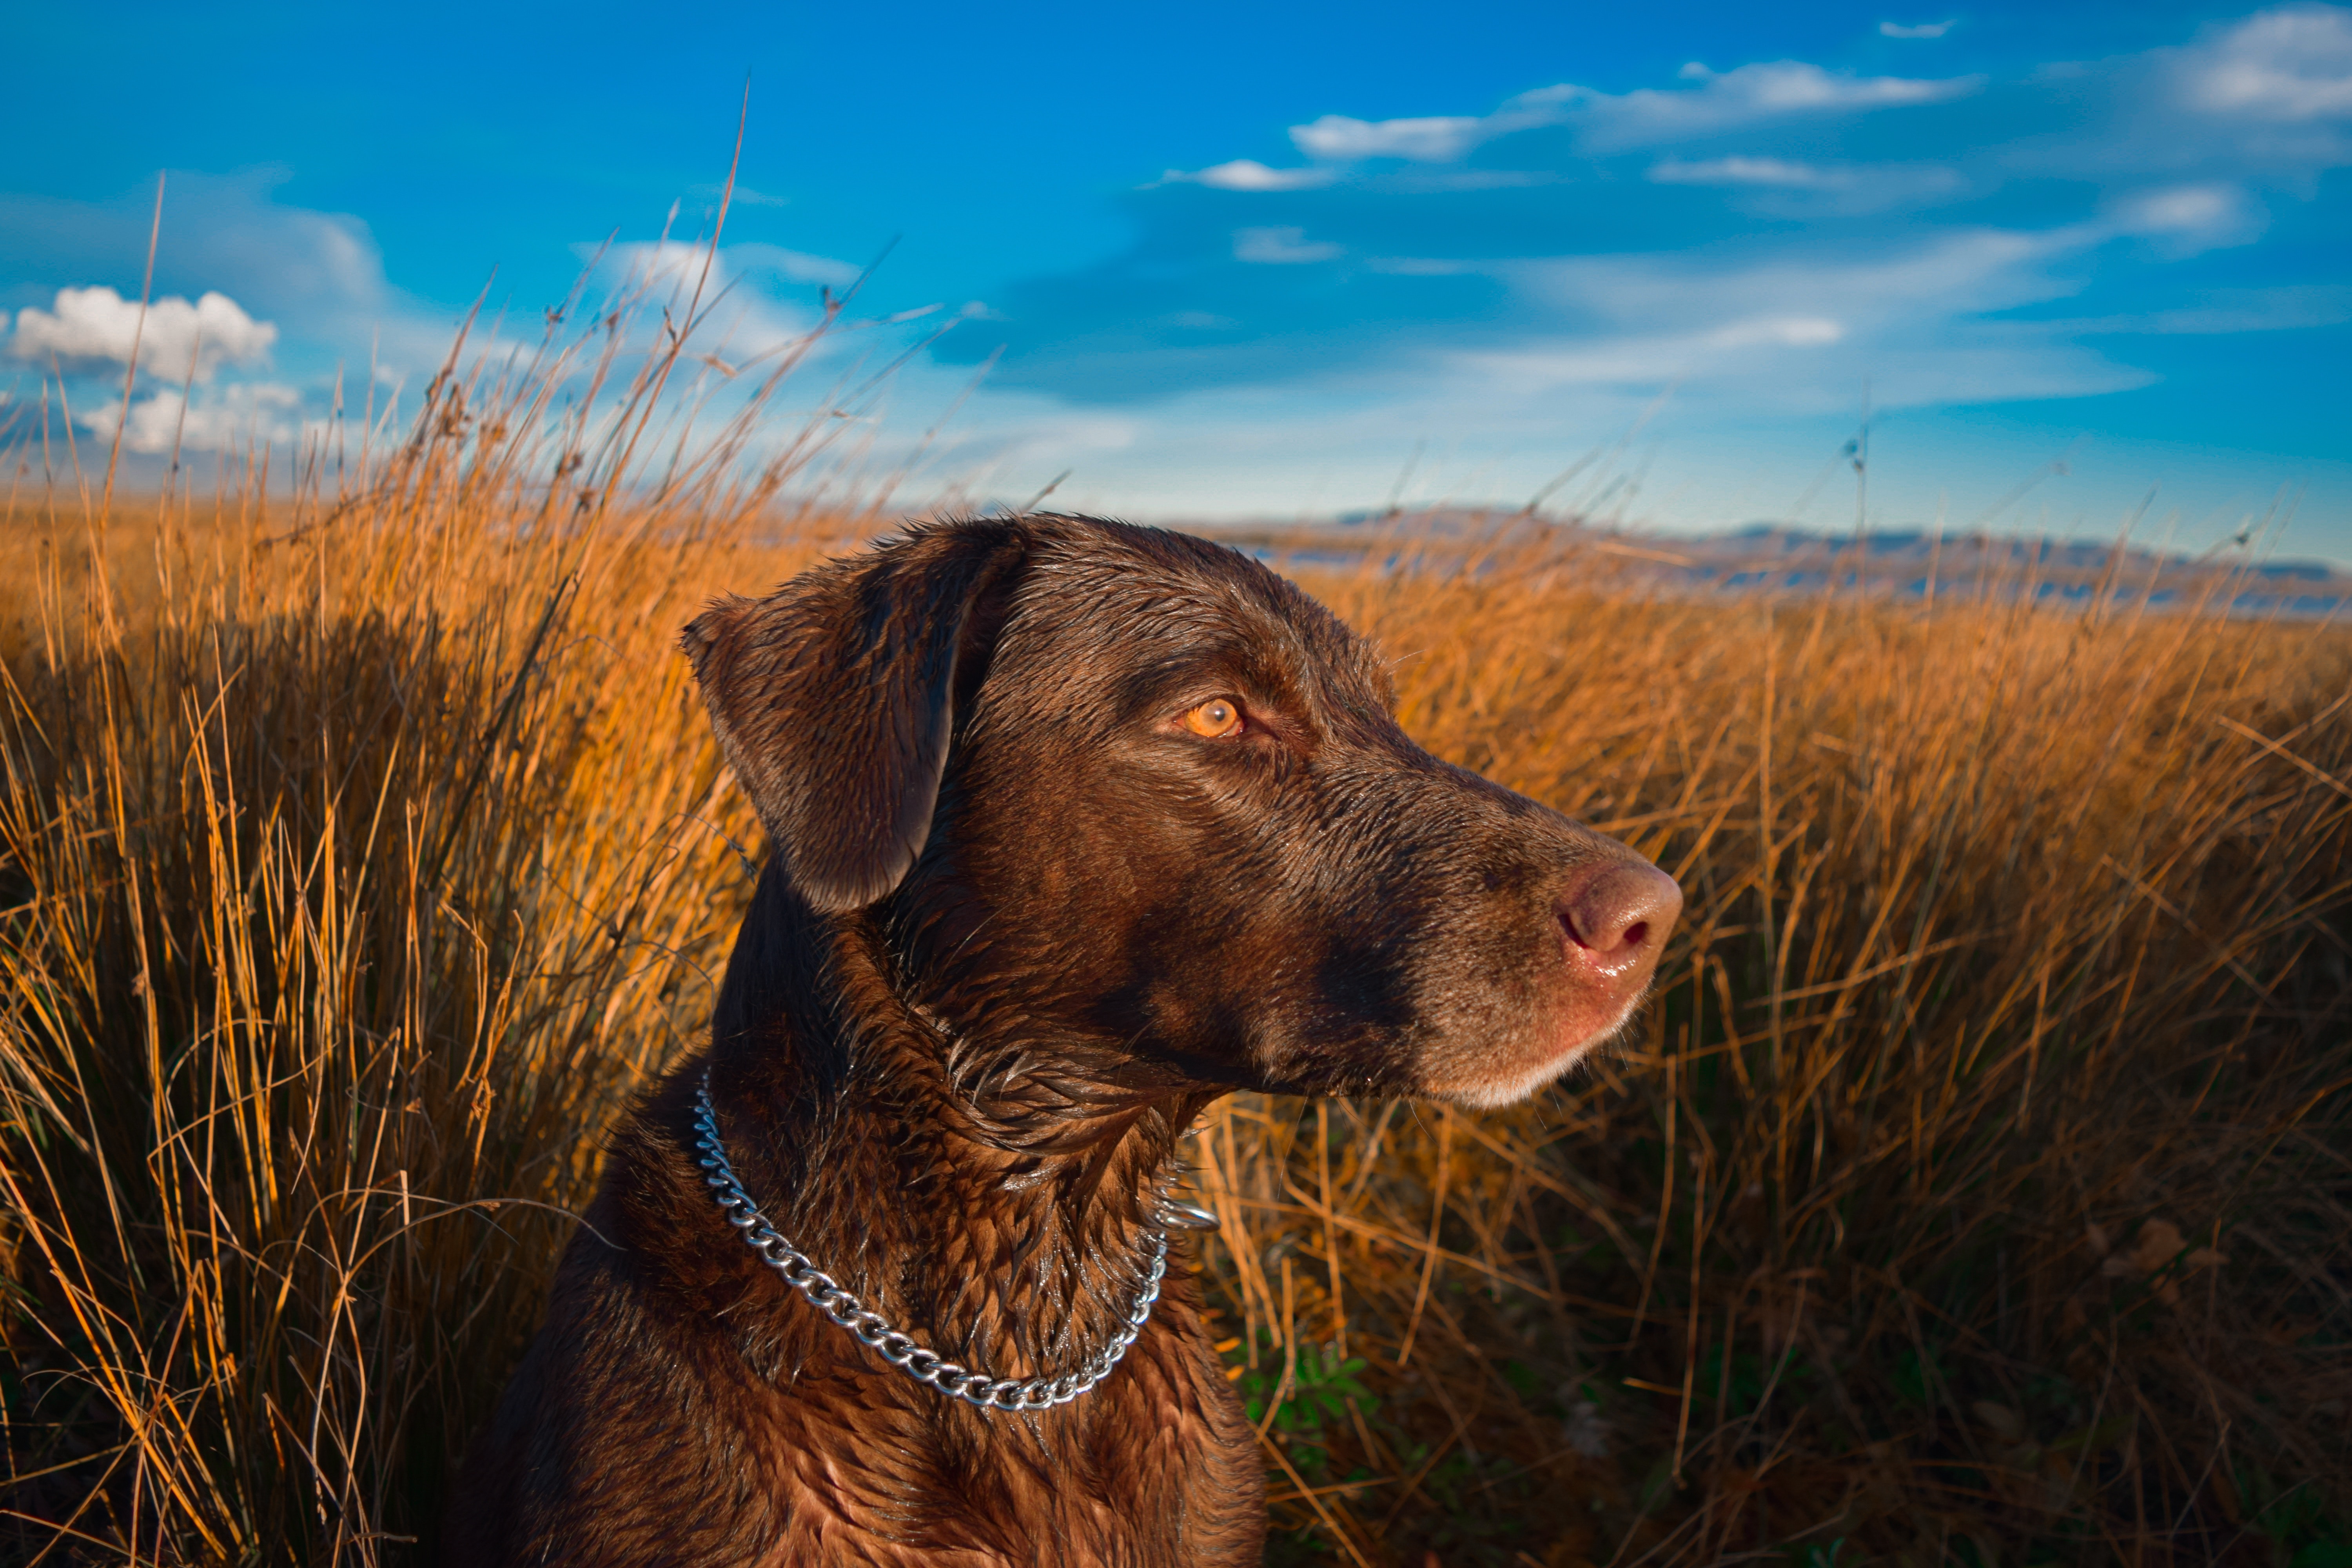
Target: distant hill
1784	559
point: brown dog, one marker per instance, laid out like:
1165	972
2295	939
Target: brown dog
1076	827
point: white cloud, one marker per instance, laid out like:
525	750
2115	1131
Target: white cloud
1739	171
798	266
1425	266
314	276
172	335
1716	101
743	324
1433	139
2224	311
300	268
1593	296
1741	353
1249	175
1781	331
1743	376
2191	219
2184	208
255	413
666	263
1787	187
1279	246
1765	321
1722	100
679	264
743	196
1978	269
1086	432
2291	63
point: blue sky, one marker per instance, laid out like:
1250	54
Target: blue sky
1279	260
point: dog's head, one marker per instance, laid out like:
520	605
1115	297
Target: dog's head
1119	787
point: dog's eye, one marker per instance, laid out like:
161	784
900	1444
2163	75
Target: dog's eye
1216	718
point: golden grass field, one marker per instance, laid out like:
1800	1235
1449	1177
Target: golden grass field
1978	1190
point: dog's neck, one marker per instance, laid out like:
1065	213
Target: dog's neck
996	1199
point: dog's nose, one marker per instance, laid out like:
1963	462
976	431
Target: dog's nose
1617	918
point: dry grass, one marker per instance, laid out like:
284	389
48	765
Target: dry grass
1981	1191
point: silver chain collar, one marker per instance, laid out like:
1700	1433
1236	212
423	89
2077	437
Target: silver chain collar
874	1330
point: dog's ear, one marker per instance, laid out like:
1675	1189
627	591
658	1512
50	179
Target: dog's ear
832	699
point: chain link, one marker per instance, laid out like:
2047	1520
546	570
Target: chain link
872	1329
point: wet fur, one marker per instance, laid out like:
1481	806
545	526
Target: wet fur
1017	930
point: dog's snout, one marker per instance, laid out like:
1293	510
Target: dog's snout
1620	914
